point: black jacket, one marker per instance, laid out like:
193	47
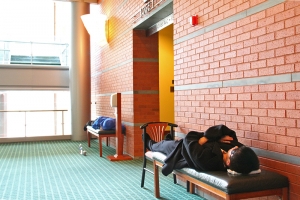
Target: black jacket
207	157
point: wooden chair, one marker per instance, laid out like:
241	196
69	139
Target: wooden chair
157	132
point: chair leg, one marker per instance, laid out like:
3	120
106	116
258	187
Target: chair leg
156	180
143	172
174	179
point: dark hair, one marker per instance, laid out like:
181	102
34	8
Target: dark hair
243	160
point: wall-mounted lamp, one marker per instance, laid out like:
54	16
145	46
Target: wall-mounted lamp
193	20
95	25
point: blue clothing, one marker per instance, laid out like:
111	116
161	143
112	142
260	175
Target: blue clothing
106	123
98	123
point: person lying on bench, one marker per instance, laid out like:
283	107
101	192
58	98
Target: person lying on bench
216	149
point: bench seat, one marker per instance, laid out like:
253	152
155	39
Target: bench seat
100	132
230	186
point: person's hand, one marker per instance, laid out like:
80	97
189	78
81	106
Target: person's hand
202	140
226	139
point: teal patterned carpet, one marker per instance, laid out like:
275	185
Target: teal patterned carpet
56	170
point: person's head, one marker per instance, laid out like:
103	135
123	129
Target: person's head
242	160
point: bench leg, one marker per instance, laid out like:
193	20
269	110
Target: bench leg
100	145
156	180
88	138
191	187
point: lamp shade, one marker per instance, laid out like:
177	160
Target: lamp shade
95	25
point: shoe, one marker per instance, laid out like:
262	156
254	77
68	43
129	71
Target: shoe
168	137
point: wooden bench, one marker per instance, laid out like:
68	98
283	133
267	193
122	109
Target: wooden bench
225	185
115	102
99	134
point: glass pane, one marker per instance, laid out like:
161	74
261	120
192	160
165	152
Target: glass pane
34	113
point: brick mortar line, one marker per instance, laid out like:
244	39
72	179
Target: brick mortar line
131	92
124	63
229	20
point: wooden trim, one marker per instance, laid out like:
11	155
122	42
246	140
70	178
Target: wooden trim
194	182
279	192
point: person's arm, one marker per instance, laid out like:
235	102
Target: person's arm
201	153
226	139
216	133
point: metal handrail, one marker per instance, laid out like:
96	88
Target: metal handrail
31	110
17	41
62	52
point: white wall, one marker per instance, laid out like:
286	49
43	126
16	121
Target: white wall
19	77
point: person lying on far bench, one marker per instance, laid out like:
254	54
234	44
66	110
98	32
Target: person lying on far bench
216	149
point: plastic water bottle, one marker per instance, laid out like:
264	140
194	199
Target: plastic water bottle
80	149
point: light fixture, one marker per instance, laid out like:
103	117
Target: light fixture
95	25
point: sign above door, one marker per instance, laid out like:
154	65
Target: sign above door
152	12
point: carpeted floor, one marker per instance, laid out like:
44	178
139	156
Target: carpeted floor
56	170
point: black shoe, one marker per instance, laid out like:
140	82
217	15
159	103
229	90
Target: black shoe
168	137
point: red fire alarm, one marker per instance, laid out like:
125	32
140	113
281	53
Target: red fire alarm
194	20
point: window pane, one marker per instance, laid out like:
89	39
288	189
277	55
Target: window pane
34	113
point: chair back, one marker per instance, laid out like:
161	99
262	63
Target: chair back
157	130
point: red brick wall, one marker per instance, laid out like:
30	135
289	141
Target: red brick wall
267	43
260	44
128	64
145	77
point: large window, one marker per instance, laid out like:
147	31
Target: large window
34	113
